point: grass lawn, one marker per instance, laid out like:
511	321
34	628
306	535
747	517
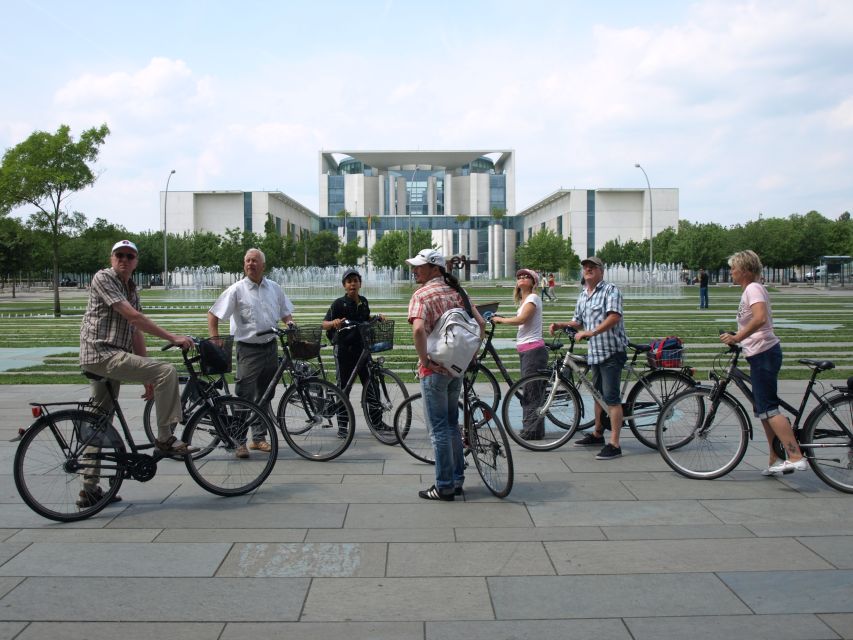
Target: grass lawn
810	322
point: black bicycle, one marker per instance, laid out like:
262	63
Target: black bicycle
314	416
554	397
704	432
71	461
483	437
384	390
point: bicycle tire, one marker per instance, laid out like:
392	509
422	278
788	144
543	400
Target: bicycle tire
48	465
489	446
485	385
559	422
826	444
187	404
309	417
413	430
698	441
391	392
653	390
217	431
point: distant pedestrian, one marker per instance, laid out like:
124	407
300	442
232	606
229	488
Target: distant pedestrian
543	287
552	287
703	289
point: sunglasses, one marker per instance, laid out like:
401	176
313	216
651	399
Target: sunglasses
524	275
125	256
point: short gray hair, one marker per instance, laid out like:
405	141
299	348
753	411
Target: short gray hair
258	251
747	261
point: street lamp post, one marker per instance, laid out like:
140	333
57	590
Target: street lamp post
651	224
165	235
409	202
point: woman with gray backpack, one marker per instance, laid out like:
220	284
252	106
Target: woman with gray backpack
441	382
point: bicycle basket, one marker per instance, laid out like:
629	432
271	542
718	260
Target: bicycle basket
305	342
666	353
378	336
215	355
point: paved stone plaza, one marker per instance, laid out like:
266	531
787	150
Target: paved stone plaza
622	549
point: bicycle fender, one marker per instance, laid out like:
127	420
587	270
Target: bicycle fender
742	411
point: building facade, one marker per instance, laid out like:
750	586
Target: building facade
217	211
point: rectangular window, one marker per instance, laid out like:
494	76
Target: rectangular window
560	226
497	192
336	195
247	211
590	222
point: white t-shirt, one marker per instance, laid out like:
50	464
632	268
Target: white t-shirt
252	308
764	338
530	331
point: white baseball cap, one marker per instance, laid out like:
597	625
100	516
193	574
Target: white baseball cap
125	244
427	256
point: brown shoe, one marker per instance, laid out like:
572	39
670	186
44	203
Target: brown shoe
88	499
171	446
260	445
242	451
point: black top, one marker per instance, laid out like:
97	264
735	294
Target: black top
703	280
348	309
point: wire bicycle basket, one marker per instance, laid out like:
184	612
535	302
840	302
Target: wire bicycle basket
305	342
378	336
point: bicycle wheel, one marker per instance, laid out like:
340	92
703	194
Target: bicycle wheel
485	385
316	419
699	440
827	442
533	426
647	396
412	429
57	453
217	431
489	447
189	397
379	399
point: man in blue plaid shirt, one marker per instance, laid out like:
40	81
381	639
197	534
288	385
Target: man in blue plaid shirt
598	313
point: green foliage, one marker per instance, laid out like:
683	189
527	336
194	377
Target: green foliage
16	246
350	253
42	171
546	251
323	249
392	249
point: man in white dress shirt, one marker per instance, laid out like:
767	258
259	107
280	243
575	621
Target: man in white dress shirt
252	304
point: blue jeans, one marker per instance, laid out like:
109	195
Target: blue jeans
703	297
764	370
441	409
607	378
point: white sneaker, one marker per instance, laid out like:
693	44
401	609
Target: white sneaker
785	467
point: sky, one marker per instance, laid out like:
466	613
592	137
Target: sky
745	106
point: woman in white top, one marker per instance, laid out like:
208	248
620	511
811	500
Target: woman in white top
530	345
764	354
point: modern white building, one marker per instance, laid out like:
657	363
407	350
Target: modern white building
591	217
466	199
217	211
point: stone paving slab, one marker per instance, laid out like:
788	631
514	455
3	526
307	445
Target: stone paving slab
670	556
432	514
84	535
398	599
517	534
775	627
231	535
825	509
469	559
123	630
123	558
612	629
793	591
614	596
265	560
676	532
649	512
837	550
325	631
10	630
141	599
445	534
841	623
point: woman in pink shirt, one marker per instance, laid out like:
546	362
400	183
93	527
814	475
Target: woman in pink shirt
764	354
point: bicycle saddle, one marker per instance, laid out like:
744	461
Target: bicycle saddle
640	348
93	376
820	365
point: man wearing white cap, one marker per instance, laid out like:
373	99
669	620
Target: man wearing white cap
112	345
439	292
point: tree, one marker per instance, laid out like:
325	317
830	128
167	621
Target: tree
16	244
43	171
392	249
546	251
350	253
323	249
